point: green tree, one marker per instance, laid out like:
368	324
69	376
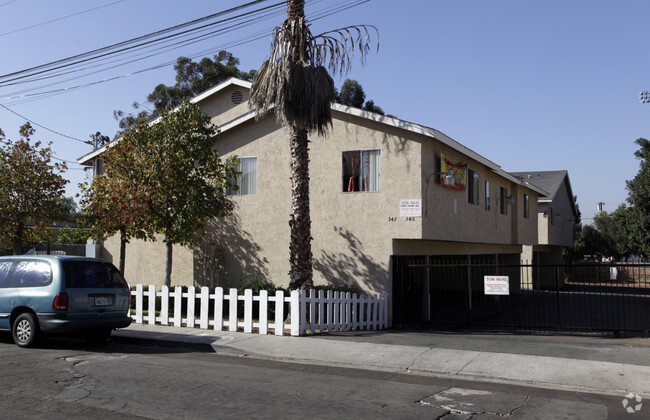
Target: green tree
171	170
192	78
296	84
111	204
575	252
352	94
615	233
639	199
31	188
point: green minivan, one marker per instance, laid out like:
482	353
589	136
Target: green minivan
61	294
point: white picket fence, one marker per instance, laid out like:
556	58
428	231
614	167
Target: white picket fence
219	310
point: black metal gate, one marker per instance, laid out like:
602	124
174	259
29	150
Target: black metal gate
430	292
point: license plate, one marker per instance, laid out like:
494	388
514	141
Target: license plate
102	301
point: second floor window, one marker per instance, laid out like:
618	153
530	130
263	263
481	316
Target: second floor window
526	206
503	198
361	171
472	187
247	182
487	195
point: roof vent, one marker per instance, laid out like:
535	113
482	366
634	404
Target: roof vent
237	97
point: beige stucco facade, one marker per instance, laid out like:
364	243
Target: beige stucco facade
354	233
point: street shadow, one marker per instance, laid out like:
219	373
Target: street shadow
352	267
226	249
116	344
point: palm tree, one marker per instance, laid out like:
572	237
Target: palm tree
296	83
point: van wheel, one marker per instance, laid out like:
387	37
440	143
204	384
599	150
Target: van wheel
25	330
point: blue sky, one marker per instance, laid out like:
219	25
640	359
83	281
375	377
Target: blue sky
529	85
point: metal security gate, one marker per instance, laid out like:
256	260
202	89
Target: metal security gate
433	293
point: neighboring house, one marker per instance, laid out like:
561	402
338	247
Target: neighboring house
555	215
377	195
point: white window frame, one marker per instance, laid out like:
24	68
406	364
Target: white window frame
247	182
365	175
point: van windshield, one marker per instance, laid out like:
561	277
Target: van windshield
92	274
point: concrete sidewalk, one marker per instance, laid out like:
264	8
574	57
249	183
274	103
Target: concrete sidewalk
592	364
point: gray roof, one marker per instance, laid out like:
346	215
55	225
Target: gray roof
549	181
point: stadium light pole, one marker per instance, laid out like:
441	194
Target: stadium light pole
644	97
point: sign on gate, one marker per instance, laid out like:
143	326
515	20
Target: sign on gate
497	285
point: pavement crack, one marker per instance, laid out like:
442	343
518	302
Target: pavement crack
467	364
415	360
520	407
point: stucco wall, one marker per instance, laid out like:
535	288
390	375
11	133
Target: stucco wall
555	220
221	107
450	217
145	261
352	231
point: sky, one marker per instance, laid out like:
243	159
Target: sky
530	85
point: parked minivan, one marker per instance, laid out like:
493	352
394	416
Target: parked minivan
61	294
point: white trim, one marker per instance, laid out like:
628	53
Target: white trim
221	86
382	119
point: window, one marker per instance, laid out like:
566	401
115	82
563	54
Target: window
526	206
361	171
91	274
32	274
472	187
5	267
503	198
247	182
487	195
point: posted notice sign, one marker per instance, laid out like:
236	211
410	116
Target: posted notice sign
410	208
497	285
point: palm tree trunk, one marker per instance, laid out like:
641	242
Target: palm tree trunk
300	222
300	274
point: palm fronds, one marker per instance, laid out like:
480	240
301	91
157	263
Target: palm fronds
295	80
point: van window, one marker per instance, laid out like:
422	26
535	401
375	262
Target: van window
5	267
92	274
32	274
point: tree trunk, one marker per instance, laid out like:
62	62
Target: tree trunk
122	250
168	264
300	274
300	223
18	239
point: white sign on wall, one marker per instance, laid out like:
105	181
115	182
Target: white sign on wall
410	208
497	285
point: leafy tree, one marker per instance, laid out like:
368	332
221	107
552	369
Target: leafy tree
170	170
110	204
639	199
352	94
614	231
192	78
577	250
31	188
67	235
296	84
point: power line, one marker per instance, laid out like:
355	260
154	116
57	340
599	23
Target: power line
23	97
125	45
58	19
53	157
42	126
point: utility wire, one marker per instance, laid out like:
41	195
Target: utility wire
23	97
42	126
122	46
58	19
